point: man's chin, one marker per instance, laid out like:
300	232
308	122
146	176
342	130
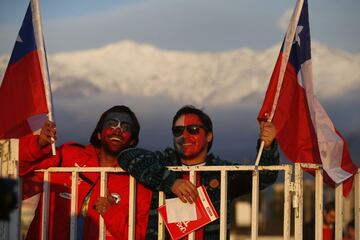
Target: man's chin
186	156
114	151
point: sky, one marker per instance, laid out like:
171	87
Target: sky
202	25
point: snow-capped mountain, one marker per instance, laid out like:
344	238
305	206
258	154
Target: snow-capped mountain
221	78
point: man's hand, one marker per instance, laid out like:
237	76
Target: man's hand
102	204
47	134
185	190
267	134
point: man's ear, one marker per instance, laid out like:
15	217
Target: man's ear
98	136
209	137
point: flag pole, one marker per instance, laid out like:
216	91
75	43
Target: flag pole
284	60
39	38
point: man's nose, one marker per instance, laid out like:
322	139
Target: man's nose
186	133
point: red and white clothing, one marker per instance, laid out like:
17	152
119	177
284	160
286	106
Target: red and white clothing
76	155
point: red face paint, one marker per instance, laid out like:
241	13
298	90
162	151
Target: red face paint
187	145
115	140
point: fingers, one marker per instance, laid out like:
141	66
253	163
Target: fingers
47	134
185	190
267	133
102	204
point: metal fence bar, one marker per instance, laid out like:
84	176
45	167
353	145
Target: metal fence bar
357	205
192	178
255	205
103	190
287	203
132	207
223	204
73	215
161	225
298	202
222	169
339	211
45	206
319	190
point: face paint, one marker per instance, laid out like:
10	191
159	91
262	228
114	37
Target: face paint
189	145
118	120
116	137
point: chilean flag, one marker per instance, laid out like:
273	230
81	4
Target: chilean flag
25	95
305	132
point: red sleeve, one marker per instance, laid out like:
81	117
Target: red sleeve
31	158
29	149
117	217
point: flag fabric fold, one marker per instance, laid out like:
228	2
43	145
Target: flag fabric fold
25	90
305	132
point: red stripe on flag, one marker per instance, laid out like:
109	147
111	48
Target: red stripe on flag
22	95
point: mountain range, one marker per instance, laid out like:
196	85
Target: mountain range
155	82
217	79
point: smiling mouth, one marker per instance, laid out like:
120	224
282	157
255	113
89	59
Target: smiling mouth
115	139
187	144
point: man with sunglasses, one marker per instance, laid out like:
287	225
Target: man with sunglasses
193	137
116	130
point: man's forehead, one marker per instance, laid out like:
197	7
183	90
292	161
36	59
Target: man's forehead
188	119
120	116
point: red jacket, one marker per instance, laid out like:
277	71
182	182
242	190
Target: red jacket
72	155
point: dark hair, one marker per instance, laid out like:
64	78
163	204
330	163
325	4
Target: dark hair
351	224
205	119
94	140
330	206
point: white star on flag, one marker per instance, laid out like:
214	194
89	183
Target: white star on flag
18	39
297	37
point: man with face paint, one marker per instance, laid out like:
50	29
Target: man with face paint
116	130
193	137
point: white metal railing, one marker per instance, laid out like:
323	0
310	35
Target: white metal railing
293	196
103	189
192	170
255	195
339	202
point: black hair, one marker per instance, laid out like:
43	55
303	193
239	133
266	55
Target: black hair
205	119
94	140
330	206
351	224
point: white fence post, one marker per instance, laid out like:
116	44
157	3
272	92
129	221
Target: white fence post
319	189
103	191
287	202
223	204
161	225
73	215
339	211
357	205
45	206
132	207
298	202
255	205
9	169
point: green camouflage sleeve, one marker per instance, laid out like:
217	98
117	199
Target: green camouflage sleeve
149	168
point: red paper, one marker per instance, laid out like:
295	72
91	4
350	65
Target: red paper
205	211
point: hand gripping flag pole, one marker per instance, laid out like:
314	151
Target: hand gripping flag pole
290	34
304	131
39	38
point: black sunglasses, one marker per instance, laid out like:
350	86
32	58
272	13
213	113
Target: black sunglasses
177	131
